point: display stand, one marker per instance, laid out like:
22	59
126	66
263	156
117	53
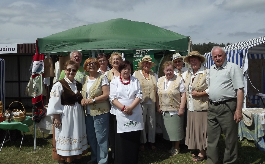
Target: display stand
22	126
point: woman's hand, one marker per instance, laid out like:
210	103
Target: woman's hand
158	109
57	121
128	110
195	93
181	111
83	102
86	102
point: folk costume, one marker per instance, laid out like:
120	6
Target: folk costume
70	141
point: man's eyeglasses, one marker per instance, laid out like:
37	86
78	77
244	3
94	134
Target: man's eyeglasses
69	70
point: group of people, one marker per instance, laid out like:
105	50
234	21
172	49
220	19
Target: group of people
111	109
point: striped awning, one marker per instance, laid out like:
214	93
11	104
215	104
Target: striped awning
2	81
238	52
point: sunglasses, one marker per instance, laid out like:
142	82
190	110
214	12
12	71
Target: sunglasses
92	63
69	70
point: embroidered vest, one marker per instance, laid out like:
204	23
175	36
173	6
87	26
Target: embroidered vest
109	75
169	100
199	84
148	86
95	90
68	96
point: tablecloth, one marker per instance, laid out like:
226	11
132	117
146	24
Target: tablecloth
22	126
253	132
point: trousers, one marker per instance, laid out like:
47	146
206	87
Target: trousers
220	118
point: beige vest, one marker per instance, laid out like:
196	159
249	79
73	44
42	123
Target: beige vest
109	75
199	84
95	90
148	86
169	100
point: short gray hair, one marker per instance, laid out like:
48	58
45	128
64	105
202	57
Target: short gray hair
214	47
75	51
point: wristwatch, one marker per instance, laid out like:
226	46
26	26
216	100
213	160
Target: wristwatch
94	101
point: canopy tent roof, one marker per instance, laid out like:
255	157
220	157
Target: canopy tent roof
115	34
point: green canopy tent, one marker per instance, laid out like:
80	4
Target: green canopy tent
134	39
115	34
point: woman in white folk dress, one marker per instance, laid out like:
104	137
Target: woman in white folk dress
69	131
125	96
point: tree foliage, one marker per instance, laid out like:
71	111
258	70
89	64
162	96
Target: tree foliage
206	47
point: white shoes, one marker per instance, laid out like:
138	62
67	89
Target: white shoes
174	151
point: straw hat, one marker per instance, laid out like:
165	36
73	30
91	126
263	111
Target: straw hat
193	54
144	59
176	56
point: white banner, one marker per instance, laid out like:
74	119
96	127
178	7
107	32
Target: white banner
8	48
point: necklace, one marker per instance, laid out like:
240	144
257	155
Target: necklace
147	78
126	82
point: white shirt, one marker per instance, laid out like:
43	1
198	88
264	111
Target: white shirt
99	70
183	72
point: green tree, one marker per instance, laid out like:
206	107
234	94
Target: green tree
206	47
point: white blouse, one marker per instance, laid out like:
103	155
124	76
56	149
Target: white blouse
55	97
183	71
126	94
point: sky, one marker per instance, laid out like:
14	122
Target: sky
216	21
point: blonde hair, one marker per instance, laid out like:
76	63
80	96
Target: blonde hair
113	54
168	63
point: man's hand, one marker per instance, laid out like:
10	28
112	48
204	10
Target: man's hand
238	115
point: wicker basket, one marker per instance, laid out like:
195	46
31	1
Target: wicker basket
22	116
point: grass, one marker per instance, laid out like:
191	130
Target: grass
10	153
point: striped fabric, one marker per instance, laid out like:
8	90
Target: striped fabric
255	100
238	52
2	81
256	56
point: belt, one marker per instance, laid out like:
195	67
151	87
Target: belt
221	102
